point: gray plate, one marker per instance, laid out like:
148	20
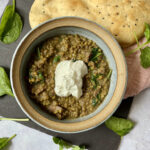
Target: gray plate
99	138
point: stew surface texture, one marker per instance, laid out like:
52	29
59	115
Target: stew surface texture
41	76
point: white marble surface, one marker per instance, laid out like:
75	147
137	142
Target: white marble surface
139	137
3	4
27	138
30	139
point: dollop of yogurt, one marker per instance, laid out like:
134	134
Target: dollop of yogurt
68	78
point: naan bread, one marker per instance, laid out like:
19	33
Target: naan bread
120	17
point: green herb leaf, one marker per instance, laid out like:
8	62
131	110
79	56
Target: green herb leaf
5	87
140	46
78	148
5	21
14	119
147	32
63	144
136	38
119	125
38	53
14	5
56	59
109	74
74	60
4	141
94	102
145	57
13	33
95	54
145	52
11	25
82	147
98	96
56	140
40	76
94	80
61	147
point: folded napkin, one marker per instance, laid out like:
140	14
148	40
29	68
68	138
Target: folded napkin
138	77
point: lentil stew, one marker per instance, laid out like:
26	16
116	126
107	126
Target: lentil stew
41	76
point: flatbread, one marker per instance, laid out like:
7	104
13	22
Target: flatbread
120	17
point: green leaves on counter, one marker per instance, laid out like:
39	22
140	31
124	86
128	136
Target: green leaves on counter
4	141
11	25
63	144
119	125
145	52
5	87
95	54
78	148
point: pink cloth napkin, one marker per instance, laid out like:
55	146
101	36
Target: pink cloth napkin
138	77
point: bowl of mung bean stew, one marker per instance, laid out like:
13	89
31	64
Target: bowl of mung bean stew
68	74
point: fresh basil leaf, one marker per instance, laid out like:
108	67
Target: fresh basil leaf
147	32
95	54
13	33
5	87
145	57
56	59
4	141
119	125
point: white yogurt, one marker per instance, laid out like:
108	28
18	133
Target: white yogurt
68	78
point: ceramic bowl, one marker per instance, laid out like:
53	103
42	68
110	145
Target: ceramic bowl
69	25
